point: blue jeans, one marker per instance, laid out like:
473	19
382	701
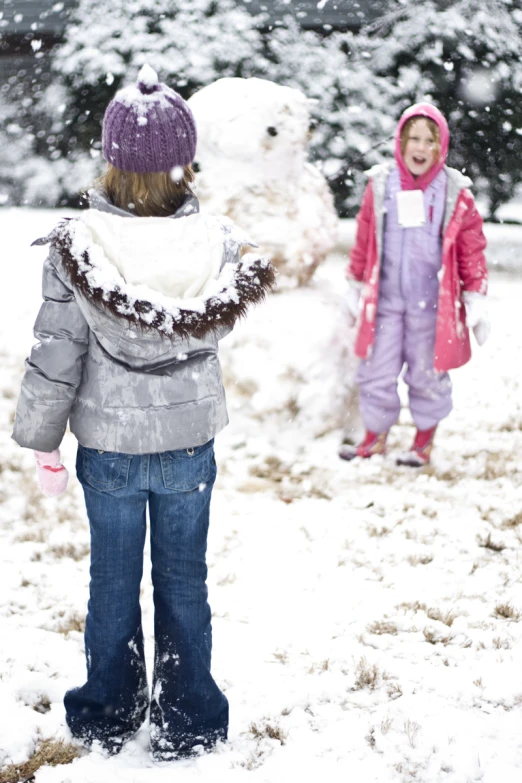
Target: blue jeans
187	709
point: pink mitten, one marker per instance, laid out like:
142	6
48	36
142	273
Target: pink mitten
52	476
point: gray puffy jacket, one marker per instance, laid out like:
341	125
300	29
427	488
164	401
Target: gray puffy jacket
134	367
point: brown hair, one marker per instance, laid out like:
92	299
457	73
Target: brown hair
154	194
432	125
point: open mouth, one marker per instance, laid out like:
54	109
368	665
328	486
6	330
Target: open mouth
418	160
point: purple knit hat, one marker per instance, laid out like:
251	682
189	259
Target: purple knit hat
148	127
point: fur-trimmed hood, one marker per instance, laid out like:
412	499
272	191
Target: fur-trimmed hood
178	278
133	366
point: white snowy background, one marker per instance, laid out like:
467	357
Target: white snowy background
367	618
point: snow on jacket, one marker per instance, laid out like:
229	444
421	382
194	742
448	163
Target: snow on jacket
463	265
129	328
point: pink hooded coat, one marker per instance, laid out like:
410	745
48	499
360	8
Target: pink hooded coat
463	261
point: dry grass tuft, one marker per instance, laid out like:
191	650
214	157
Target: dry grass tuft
43	704
433	638
394	691
272	468
507	611
50	753
253	761
288	485
75	552
496	467
323	666
386	724
74	622
420	559
245	387
367	675
512	425
512	521
447	618
37	536
451	477
11	465
411	729
270	730
487	543
414	606
381	627
378	532
370	738
267	730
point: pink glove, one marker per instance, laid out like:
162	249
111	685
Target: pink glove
51	475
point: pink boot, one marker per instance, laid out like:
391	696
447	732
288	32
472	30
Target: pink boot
373	443
51	475
420	452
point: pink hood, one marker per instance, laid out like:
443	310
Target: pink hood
408	181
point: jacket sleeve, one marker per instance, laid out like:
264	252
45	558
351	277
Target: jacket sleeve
470	245
53	370
358	254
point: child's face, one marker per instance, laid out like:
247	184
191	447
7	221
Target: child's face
421	147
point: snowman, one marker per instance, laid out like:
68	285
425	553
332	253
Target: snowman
252	166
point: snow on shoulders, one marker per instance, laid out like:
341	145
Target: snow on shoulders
458	178
380	169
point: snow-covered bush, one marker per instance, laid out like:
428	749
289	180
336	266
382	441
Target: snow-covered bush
355	108
188	43
15	145
191	44
465	56
462	55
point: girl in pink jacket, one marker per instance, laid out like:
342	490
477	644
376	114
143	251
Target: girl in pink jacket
417	280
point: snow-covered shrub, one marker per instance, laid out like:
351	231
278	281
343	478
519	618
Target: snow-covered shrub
465	57
355	109
191	44
462	55
188	43
16	144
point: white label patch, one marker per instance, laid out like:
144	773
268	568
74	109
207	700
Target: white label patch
410	208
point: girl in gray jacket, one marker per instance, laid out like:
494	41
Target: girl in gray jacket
137	292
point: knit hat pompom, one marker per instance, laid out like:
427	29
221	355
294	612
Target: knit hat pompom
148	80
148	127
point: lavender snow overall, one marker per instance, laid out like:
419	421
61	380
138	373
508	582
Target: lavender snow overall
406	318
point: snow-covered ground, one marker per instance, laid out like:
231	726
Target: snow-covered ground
367	618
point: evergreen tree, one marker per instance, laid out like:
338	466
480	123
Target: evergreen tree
462	55
355	108
465	57
191	43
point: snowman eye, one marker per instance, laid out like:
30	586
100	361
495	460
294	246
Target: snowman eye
196	168
271	131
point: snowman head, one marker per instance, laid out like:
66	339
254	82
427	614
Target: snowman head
254	124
